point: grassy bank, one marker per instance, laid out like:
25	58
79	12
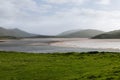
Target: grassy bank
70	66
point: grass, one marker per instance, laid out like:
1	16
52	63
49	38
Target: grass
59	66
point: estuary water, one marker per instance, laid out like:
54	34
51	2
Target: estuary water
50	45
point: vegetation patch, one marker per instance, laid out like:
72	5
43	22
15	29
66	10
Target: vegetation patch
59	66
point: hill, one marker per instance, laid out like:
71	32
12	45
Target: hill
109	35
14	33
80	33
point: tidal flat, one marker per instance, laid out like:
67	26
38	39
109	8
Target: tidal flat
60	66
52	45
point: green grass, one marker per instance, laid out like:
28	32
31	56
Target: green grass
59	66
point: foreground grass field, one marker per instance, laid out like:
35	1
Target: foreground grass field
69	66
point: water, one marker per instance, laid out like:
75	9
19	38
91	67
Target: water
92	43
49	45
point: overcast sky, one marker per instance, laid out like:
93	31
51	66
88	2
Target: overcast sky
55	16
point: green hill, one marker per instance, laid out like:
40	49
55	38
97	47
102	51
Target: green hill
14	33
80	33
109	35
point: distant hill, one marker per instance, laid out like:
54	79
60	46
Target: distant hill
14	33
80	33
68	32
109	35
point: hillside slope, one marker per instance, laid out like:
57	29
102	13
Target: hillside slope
109	35
81	33
14	32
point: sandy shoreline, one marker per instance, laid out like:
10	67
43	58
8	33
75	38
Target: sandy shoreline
90	43
44	43
5	40
51	41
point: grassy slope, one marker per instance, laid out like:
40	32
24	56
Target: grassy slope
70	66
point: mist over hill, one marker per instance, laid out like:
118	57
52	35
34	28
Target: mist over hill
88	33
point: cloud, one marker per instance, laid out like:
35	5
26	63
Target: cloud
45	18
104	2
89	18
76	18
65	1
16	11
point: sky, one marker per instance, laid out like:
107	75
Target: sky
55	16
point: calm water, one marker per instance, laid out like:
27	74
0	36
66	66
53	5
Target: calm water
61	45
